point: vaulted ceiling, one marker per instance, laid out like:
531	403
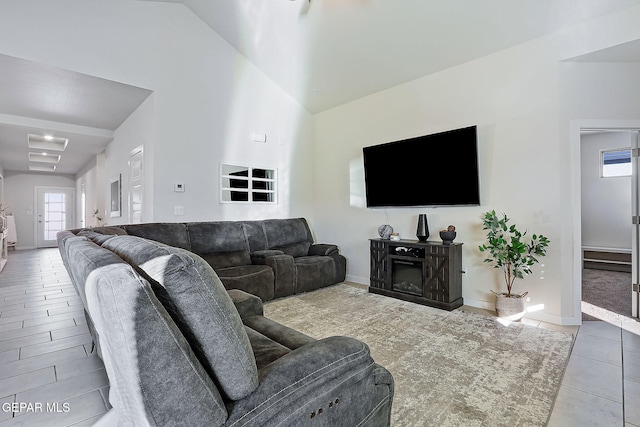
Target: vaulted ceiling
324	53
329	52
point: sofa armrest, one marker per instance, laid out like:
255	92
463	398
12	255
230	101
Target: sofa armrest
335	373
284	270
260	257
247	305
323	249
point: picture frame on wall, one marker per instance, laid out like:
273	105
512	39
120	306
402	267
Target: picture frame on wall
116	196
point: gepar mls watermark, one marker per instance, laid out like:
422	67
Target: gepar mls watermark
26	407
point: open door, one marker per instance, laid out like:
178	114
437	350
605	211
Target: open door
635	234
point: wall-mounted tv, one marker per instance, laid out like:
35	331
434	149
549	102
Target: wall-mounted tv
440	169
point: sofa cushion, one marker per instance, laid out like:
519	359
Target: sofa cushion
265	350
276	233
284	232
84	257
154	377
203	310
313	272
254	279
226	259
109	230
219	236
95	237
169	233
277	332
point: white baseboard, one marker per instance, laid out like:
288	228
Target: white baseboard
479	304
357	279
540	316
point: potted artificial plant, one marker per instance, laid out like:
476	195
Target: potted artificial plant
509	250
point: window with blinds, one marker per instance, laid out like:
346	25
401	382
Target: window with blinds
614	163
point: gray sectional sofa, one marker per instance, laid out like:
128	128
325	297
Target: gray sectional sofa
180	349
269	258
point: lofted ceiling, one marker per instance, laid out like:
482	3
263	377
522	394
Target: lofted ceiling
329	52
324	53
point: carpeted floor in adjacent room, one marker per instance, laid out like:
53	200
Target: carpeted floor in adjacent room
450	368
606	295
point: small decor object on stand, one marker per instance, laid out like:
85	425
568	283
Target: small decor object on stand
385	231
3	216
509	252
395	236
98	217
422	233
448	235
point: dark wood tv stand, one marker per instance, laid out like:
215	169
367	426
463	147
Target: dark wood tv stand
428	273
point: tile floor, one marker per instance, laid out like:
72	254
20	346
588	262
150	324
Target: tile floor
45	346
46	360
602	380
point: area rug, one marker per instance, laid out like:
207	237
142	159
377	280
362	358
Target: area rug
450	368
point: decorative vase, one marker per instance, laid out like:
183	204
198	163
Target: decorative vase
385	231
510	307
422	233
447	236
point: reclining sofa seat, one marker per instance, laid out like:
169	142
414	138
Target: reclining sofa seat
311	265
268	258
181	350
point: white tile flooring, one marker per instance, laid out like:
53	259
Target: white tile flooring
601	385
45	360
45	357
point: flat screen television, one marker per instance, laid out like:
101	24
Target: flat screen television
440	169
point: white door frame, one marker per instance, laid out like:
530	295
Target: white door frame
575	292
136	185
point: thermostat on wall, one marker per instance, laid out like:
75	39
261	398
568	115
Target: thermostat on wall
178	187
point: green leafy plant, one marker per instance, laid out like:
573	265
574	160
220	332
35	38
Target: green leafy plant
508	248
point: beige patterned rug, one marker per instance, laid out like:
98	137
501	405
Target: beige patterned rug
450	368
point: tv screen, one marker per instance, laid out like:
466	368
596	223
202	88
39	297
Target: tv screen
432	170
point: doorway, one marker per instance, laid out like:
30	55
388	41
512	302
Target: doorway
616	254
136	186
54	213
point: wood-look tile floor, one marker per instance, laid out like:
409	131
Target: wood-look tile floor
48	375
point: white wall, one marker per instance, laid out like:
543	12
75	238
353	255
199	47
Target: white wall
207	100
516	99
20	198
606	202
138	130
